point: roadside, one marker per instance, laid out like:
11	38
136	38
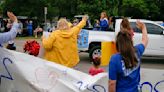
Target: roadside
84	65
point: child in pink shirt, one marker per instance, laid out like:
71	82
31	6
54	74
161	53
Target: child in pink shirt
94	70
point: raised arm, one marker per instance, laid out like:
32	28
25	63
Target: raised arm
145	38
82	23
5	37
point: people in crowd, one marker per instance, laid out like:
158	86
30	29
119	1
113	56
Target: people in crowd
125	25
37	31
30	28
61	45
124	67
5	25
48	26
104	22
95	69
20	28
25	30
96	25
10	35
111	28
75	22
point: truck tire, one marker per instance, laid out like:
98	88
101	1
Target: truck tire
96	50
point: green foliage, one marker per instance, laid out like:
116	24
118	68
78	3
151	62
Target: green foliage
29	8
62	8
160	4
68	8
89	7
92	7
134	8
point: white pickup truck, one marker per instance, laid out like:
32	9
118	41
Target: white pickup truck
155	32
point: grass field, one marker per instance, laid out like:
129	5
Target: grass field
31	37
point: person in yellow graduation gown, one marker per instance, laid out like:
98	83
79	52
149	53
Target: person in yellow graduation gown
61	45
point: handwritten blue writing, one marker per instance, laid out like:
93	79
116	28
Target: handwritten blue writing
81	84
8	76
151	86
94	88
147	83
155	87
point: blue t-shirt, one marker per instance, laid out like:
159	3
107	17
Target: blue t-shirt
29	26
127	80
104	24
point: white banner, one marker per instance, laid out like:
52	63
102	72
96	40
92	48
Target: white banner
152	80
24	73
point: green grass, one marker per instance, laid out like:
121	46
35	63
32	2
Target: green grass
31	37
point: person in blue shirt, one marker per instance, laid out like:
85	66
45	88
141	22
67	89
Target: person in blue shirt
124	67
30	28
104	22
7	36
96	25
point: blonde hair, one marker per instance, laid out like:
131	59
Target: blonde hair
62	24
105	14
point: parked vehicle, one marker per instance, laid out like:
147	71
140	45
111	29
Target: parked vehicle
155	33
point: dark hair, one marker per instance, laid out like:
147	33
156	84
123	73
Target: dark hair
125	24
96	61
124	46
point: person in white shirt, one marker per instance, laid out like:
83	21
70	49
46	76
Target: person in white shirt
7	36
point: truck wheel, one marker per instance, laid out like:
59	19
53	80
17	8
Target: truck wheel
96	50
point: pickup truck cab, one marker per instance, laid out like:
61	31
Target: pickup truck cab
155	33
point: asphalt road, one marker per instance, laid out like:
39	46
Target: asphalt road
84	65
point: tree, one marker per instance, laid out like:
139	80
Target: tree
68	8
153	9
134	8
1	7
160	3
114	7
30	8
93	7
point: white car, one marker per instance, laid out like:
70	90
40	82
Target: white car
155	33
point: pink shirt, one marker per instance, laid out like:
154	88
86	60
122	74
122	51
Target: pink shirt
94	71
